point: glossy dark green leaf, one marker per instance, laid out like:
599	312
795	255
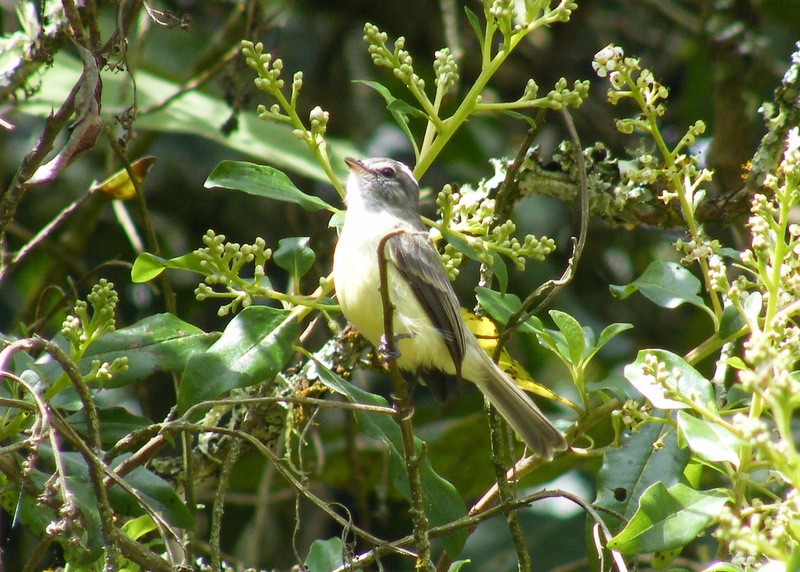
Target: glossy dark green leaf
262	181
155	344
254	347
668	518
325	555
294	255
442	502
667	284
158	493
148	266
689	382
634	465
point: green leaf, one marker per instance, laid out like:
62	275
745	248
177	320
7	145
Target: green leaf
148	266
573	335
730	323
617	385
155	344
294	255
158	343
399	111
138	527
158	493
325	555
499	269
402	106
667	284
458	565
689	382
710	441
91	546
668	518
634	465
193	113
609	332
262	181
442	502
475	23
497	265
254	347
501	306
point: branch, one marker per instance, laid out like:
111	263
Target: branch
405	411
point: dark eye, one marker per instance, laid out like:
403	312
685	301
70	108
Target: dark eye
387	172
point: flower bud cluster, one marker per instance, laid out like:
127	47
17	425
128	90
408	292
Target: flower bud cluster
223	261
80	328
471	212
562	96
446	70
399	60
268	71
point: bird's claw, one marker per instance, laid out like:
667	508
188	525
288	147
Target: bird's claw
386	352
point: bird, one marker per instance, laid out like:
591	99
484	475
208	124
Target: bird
382	200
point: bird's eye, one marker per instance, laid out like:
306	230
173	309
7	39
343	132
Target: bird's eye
387	172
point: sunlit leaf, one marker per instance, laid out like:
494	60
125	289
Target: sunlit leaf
148	266
254	347
667	284
680	377
668	518
262	181
325	555
710	441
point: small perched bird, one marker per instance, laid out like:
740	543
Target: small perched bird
382	199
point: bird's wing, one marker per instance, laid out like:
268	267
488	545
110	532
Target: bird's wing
419	263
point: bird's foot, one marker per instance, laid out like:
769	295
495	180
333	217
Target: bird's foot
389	353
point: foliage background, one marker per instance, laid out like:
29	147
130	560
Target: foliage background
720	59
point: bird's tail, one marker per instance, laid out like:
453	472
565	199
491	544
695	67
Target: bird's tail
519	410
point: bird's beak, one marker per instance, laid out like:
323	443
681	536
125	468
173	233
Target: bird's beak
355	165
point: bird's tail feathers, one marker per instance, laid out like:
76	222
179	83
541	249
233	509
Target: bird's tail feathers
519	411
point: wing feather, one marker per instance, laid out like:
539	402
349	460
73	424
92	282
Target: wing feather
419	263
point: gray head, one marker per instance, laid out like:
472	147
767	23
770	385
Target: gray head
380	184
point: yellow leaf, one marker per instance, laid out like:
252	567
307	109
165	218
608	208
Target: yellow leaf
486	333
119	185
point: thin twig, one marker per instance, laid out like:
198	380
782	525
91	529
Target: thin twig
405	412
263	450
471	521
219	503
93	428
552	287
144	212
500	460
